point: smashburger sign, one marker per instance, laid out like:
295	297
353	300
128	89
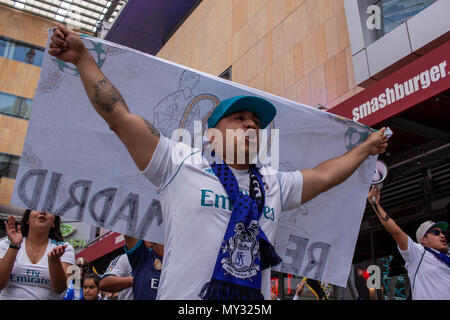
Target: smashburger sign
408	86
401	91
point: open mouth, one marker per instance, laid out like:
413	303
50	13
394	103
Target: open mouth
251	136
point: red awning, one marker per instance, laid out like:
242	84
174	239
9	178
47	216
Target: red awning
401	90
109	243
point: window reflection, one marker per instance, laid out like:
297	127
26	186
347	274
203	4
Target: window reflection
15	106
25	109
395	12
15	50
9	165
29	56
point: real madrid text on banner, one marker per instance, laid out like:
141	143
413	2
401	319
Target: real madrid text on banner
73	165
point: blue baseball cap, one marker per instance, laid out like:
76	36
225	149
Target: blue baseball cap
263	109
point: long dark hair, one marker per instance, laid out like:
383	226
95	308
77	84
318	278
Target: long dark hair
54	233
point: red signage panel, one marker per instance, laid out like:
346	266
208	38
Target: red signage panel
406	87
106	245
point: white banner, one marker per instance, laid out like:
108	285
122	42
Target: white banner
73	165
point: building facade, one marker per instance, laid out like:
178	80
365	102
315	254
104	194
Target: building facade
297	49
22	41
23	37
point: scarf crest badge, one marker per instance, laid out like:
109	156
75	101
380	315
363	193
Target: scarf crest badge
243	249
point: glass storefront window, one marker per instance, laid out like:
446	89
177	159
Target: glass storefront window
25	109
394	287
379	17
39	56
22	52
394	282
226	74
395	12
15	106
9	165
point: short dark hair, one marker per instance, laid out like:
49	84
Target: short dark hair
54	233
94	277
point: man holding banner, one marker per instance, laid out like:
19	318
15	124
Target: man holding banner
217	241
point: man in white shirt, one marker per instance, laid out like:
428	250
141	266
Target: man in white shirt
195	203
427	260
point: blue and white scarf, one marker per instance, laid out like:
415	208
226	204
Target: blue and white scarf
439	255
245	250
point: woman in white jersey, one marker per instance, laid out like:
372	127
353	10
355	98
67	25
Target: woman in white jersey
34	258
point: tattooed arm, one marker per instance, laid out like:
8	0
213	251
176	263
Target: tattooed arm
138	135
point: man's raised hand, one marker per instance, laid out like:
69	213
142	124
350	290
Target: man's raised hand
66	45
374	194
377	142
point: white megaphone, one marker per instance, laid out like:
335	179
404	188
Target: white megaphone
380	174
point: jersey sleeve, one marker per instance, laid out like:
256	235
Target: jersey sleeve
167	157
138	255
413	253
291	187
4	244
118	267
68	255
